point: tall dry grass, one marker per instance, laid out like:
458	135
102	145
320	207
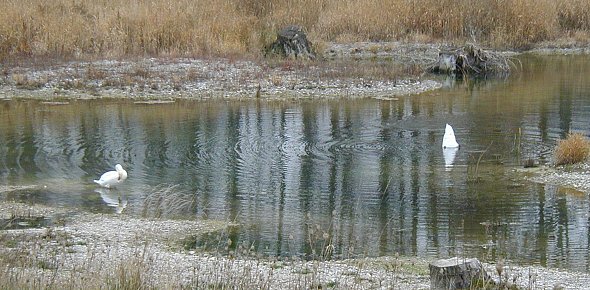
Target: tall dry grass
110	28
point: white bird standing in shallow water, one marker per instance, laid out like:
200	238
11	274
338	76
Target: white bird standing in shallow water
112	178
449	140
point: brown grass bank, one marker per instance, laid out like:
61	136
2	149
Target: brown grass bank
112	28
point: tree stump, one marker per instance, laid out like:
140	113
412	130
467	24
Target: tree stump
292	42
472	61
447	62
457	273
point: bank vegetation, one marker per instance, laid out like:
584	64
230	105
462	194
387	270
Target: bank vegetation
197	28
574	149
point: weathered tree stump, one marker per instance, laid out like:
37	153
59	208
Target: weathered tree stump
447	62
457	273
292	42
471	60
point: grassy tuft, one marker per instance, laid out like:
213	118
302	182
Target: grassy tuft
129	275
167	201
573	149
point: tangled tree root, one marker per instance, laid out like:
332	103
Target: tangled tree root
472	61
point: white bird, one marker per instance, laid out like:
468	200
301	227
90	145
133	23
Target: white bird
112	178
449	140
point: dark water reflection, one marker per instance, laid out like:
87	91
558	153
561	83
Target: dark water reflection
369	175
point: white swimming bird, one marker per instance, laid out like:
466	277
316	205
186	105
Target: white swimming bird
112	178
449	140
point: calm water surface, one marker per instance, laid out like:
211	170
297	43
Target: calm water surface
367	176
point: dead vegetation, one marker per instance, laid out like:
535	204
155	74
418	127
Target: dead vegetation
85	28
167	201
574	149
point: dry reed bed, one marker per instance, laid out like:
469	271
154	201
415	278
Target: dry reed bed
110	28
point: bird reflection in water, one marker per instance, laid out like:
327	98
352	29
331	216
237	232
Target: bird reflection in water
449	155
113	198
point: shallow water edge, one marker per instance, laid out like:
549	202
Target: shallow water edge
108	243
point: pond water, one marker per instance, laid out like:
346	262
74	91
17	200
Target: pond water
340	178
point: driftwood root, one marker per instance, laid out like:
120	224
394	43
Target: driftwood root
471	60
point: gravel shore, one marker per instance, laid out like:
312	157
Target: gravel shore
217	78
87	248
573	177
